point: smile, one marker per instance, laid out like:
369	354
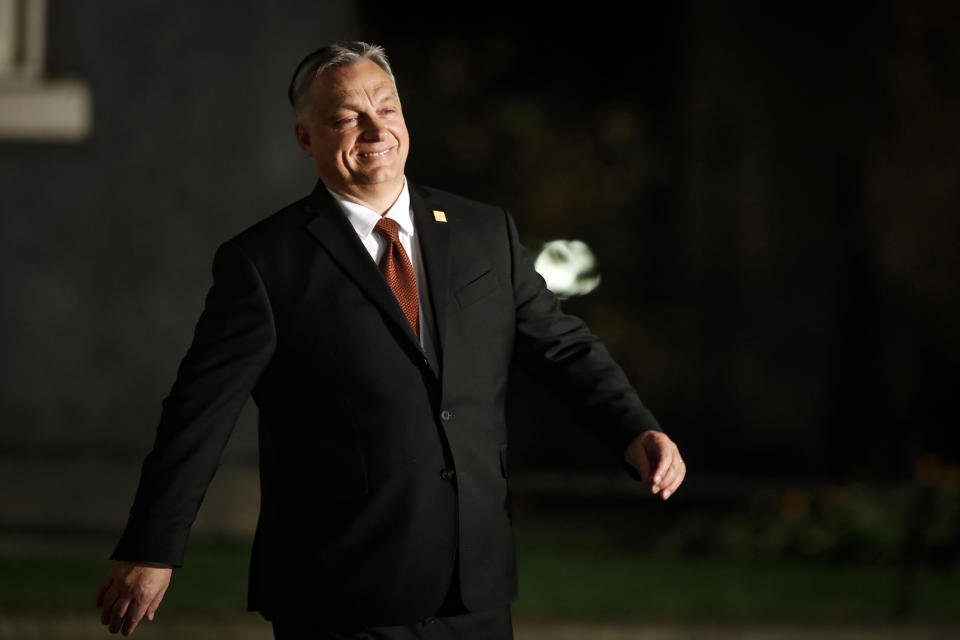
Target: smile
378	154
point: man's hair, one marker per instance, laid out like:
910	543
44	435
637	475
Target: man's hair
329	57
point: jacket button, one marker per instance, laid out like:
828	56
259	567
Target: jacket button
448	474
445	415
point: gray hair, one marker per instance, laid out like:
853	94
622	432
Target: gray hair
329	57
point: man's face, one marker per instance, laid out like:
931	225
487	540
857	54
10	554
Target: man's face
353	129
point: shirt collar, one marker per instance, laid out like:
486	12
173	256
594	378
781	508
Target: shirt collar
365	219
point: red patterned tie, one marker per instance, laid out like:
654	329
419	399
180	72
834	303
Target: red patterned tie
398	272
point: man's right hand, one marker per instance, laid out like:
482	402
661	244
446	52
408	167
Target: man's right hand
131	591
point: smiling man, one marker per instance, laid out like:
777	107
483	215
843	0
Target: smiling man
351	124
373	322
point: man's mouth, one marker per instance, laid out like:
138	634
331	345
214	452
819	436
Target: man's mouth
372	154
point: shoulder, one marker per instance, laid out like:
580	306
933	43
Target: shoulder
453	201
458	208
272	228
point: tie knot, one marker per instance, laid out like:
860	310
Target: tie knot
389	228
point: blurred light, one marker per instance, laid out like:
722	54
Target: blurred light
33	107
45	111
569	267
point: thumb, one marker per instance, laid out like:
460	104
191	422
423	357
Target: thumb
641	462
645	471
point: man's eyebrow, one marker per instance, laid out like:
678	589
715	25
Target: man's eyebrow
385	87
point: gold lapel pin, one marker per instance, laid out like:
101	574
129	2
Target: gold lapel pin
439	216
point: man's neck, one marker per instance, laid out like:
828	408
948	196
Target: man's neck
376	197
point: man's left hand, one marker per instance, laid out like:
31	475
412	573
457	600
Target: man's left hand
656	458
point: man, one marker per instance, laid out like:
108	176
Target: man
383	456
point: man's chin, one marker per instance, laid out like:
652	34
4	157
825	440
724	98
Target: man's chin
373	178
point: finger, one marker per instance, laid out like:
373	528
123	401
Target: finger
117	613
155	605
109	602
676	481
663	465
107	582
670	474
133	617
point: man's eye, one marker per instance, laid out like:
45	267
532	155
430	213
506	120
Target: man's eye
345	122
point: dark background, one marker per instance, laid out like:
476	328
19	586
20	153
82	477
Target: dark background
771	193
770	189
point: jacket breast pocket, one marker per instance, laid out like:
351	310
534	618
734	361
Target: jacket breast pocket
477	289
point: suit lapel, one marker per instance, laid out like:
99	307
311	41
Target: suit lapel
330	226
435	250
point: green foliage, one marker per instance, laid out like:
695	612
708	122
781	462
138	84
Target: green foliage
855	523
573	565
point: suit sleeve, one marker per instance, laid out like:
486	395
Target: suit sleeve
559	350
232	344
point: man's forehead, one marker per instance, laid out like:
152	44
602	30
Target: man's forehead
341	92
344	83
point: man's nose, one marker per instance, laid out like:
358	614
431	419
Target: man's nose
374	128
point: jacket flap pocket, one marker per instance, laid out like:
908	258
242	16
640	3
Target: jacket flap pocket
477	289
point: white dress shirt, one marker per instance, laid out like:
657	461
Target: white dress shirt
364	219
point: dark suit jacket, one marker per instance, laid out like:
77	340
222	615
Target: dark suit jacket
380	467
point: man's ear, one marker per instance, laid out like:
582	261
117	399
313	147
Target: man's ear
303	138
